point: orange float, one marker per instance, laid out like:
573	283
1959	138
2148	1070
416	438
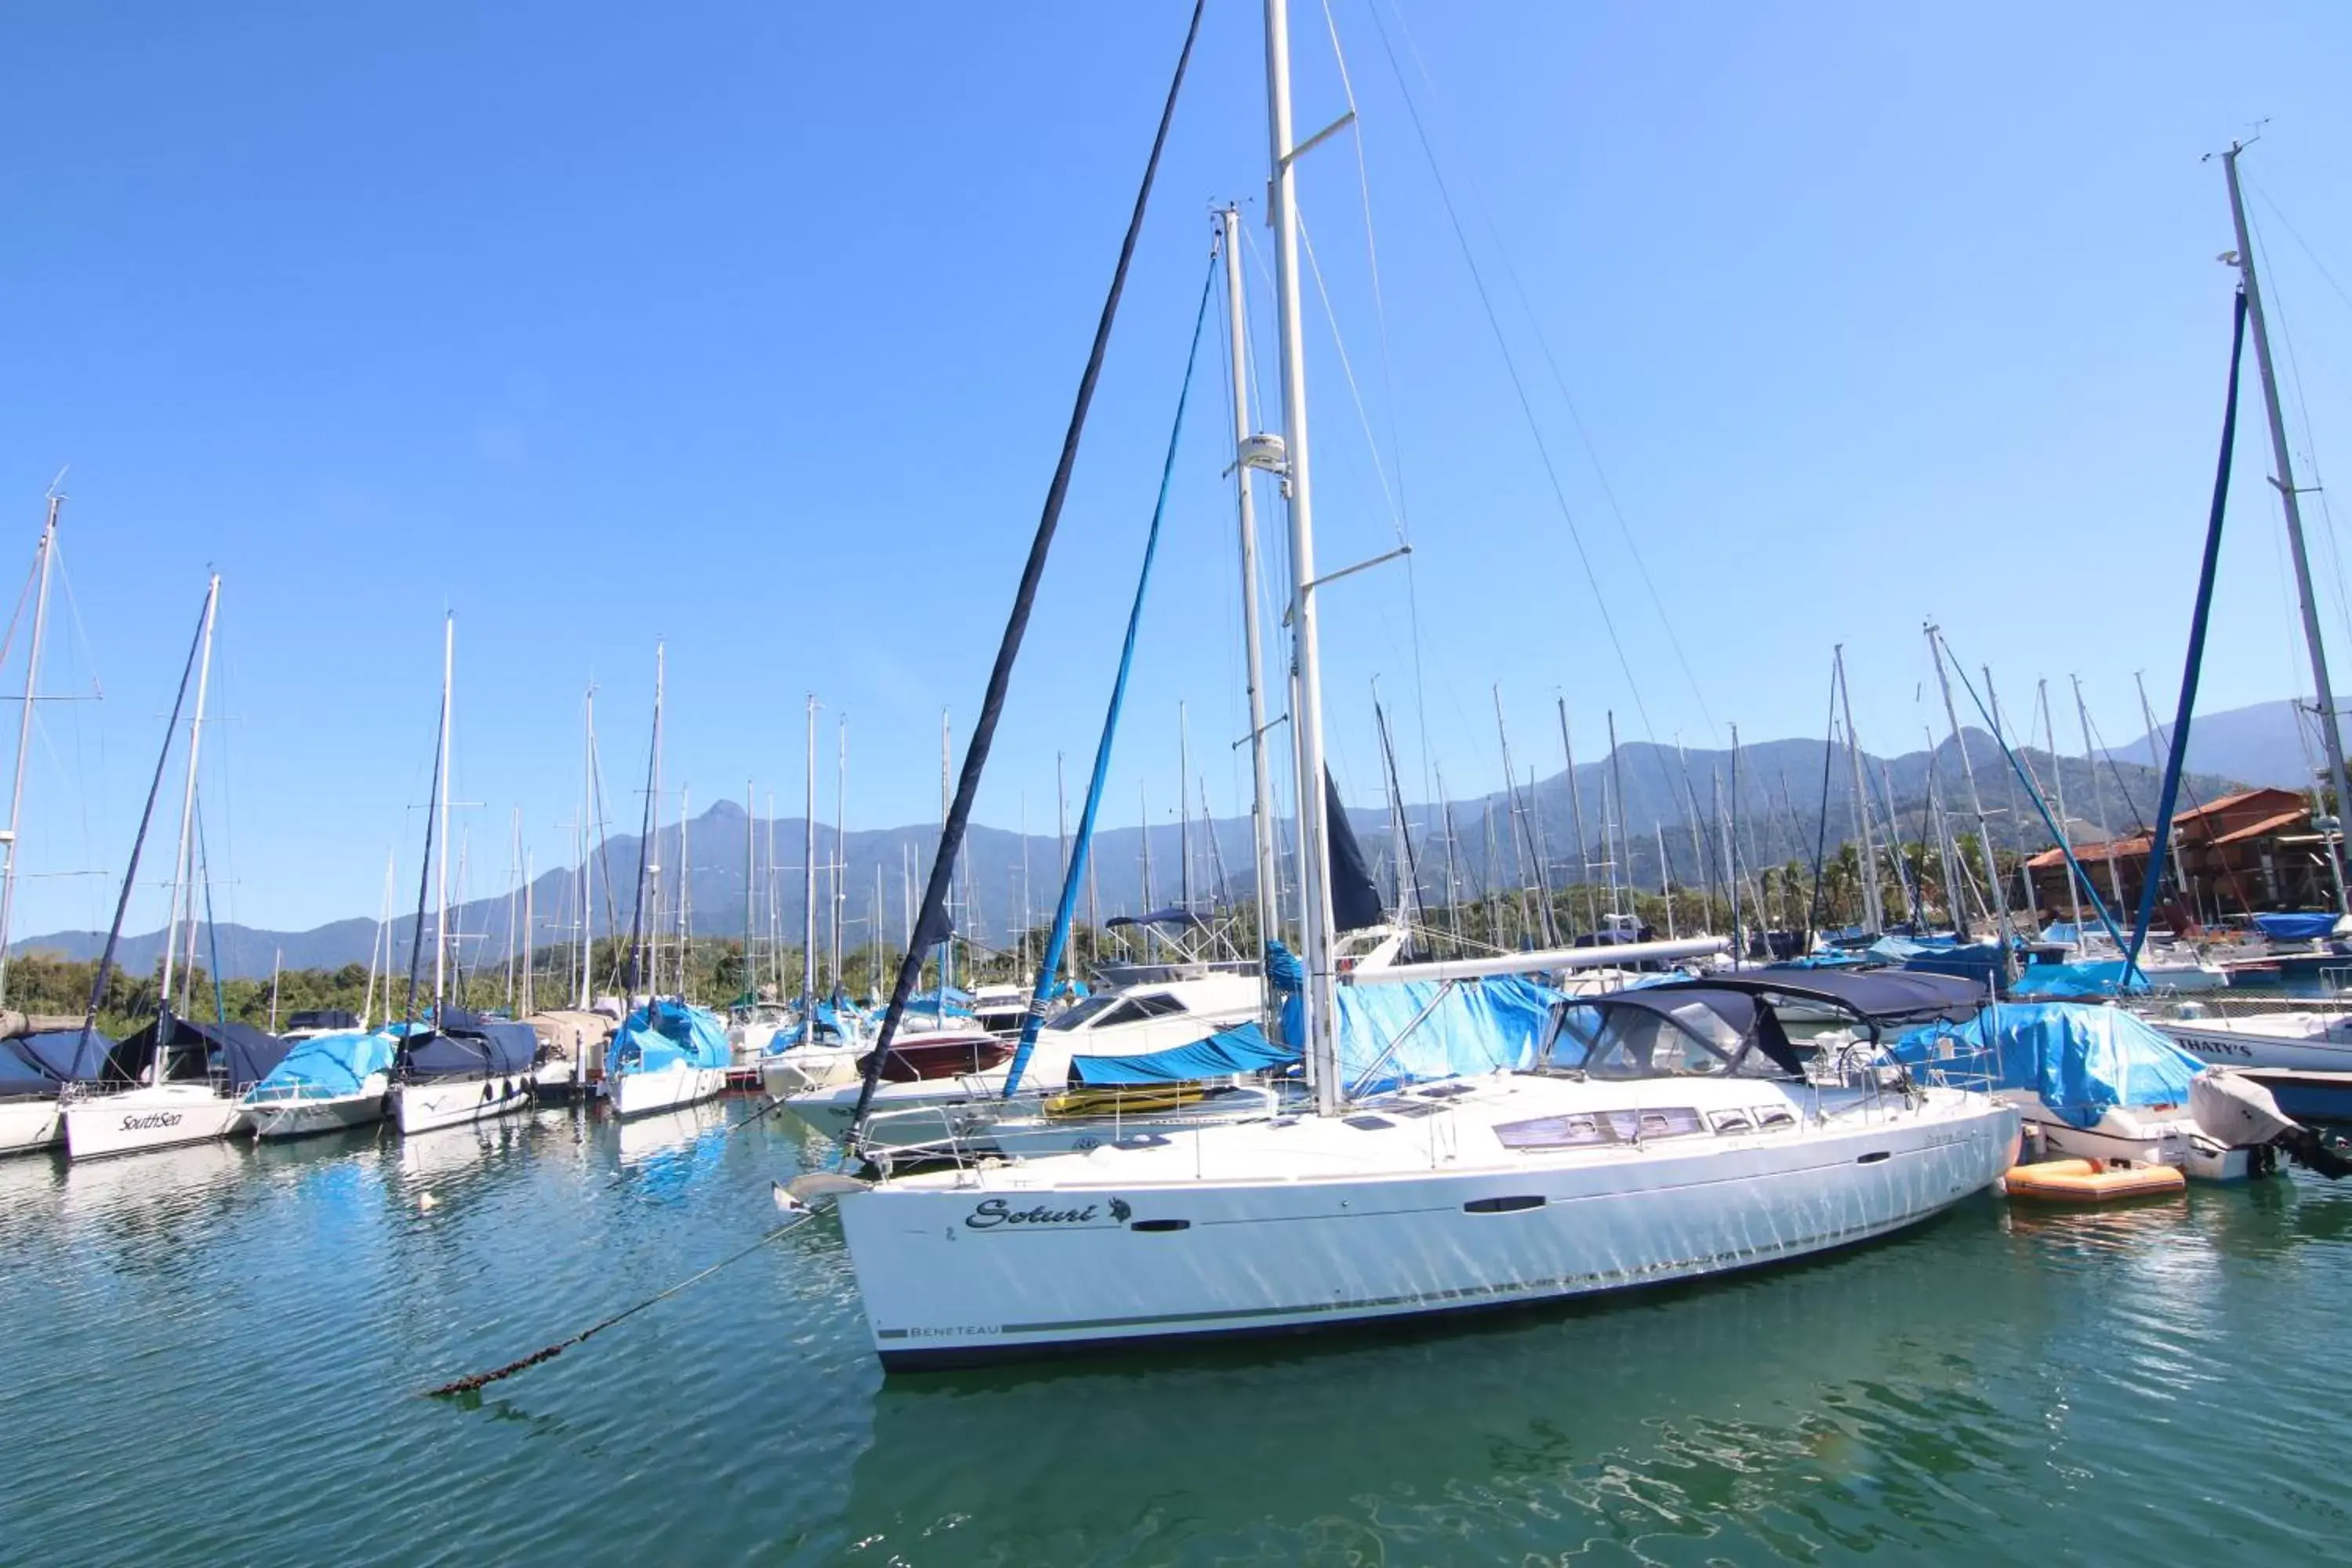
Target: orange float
2093	1181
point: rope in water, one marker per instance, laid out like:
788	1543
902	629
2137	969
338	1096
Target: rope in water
726	1132
481	1380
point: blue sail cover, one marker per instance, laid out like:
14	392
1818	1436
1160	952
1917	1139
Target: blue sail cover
1241	1048
2300	926
42	1064
2082	1059
327	1066
1477	1026
653	1038
2095	977
465	1046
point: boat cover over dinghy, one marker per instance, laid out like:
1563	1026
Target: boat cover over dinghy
2081	1059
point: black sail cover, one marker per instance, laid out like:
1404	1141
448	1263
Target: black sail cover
1355	902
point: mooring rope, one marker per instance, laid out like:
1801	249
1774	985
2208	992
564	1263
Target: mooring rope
481	1380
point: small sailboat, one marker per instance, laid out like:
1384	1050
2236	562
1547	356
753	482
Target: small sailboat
457	1067
667	1055
325	1083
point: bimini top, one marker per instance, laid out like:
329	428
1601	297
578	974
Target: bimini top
1669	1031
326	1065
2082	1059
664	1034
466	1044
194	1051
1870	995
44	1063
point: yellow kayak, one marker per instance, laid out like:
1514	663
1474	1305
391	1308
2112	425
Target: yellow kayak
1125	1100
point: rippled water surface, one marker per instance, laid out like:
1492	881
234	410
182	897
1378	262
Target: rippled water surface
215	1355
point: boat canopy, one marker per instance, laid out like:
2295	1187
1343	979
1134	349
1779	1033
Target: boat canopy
1171	916
2081	1058
328	1065
2299	926
466	1045
323	1018
664	1034
1241	1048
1872	995
1665	1031
43	1063
196	1051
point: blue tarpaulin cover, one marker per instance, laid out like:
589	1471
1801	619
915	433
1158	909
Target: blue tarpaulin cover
2080	1057
2098	977
1476	1026
328	1064
1241	1048
40	1064
2298	927
652	1038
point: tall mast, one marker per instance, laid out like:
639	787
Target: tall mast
1183	808
1319	999
1062	835
1576	813
25	736
1873	914
2098	798
750	883
1261	789
384	940
840	862
947	945
2330	731
2180	872
187	821
587	854
2058	784
1995	893
1453	884
441	812
1624	820
685	899
808	875
514	897
528	949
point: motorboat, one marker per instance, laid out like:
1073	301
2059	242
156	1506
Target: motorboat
462	1068
326	1082
1116	1024
2298	1039
179	1080
1665	1134
667	1055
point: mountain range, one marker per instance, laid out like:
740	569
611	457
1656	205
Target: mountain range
1787	796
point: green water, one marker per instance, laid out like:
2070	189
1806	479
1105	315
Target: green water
213	1356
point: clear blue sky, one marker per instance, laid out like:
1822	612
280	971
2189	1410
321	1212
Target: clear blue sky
755	326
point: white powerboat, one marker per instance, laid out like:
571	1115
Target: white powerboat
2301	1040
1150	1017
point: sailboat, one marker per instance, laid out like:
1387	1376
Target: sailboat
180	1078
456	1067
1588	1165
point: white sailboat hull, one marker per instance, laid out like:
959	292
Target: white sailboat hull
425	1105
804	1068
1068	1254
28	1126
155	1117
632	1092
302	1118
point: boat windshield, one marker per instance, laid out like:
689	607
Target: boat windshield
1084	1012
1638	1042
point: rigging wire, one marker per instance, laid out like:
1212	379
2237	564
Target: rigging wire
1543	343
1518	387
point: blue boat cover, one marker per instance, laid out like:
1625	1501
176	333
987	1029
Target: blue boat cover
40	1064
652	1038
2097	977
2081	1058
1241	1048
1476	1026
1978	960
328	1064
2301	926
195	1050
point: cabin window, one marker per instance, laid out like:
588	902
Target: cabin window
1084	1012
1157	1005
